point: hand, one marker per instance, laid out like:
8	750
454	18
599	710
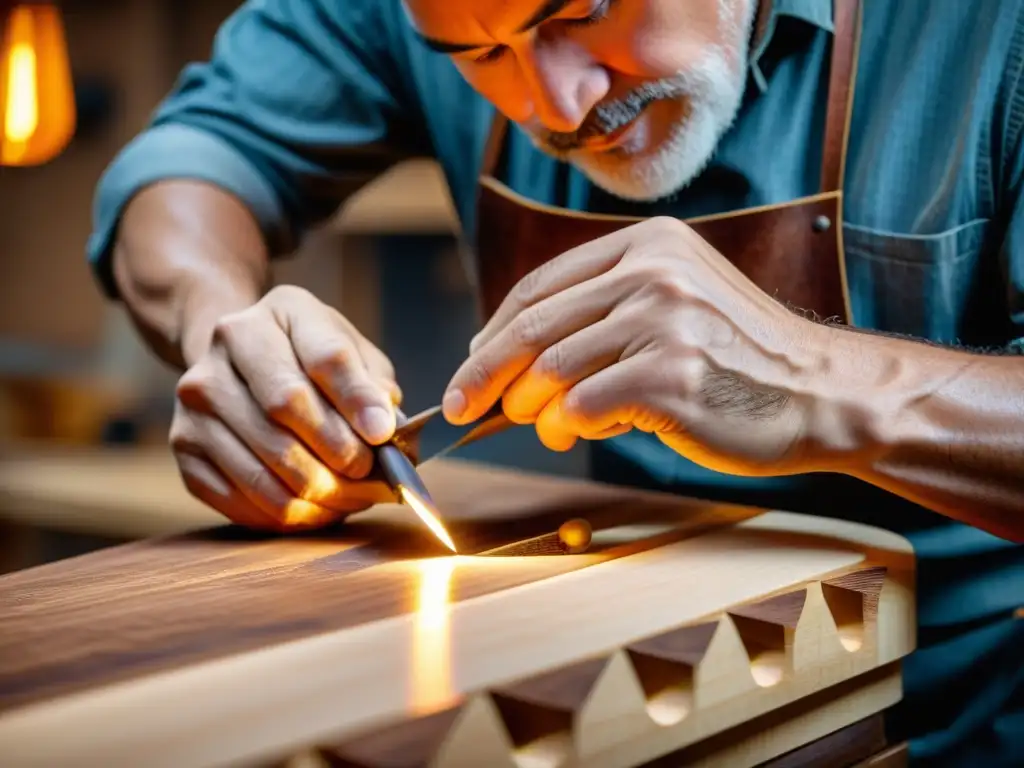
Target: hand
272	422
649	328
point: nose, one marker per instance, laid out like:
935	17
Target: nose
563	82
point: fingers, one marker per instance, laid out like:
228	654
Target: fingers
495	364
214	389
256	496
357	389
571	268
263	430
614	400
262	354
208	485
566	363
265	358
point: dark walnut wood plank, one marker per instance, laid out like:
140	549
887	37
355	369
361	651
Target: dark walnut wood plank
156	605
113	634
839	749
894	757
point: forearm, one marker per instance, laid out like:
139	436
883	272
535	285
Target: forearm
187	253
939	426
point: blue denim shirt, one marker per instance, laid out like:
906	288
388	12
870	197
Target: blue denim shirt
303	101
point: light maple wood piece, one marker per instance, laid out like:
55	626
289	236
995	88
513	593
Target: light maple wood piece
684	622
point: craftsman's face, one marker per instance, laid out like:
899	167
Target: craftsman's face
635	93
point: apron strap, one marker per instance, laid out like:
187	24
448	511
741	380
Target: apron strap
495	141
842	78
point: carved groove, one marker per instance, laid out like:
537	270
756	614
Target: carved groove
406	744
853	601
564	716
539	712
665	666
766	629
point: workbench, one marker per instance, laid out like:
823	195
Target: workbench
688	633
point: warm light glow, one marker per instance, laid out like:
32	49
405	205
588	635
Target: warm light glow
36	91
22	109
432	654
427	516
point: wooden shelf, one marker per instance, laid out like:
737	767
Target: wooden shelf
411	198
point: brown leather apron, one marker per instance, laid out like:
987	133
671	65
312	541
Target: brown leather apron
792	251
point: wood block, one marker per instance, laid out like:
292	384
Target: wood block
363	646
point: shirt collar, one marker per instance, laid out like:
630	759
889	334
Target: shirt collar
815	12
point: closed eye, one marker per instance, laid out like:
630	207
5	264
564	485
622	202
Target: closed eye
598	14
491	55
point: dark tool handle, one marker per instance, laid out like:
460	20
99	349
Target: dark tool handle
398	471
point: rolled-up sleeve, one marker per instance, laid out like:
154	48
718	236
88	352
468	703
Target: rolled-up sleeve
299	105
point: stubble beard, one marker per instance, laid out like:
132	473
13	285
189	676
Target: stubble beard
707	99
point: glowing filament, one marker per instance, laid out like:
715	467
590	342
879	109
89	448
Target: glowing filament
23	110
37	98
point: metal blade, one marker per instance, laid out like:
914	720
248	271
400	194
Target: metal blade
428	435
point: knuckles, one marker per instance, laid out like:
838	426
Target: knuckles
329	361
574	409
478	376
653	286
525	292
281	296
529	328
200	387
553	363
183	437
227	328
665	226
667	287
286	400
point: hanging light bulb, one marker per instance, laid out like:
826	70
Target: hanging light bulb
37	100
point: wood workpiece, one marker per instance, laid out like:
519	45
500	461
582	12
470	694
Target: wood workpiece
679	629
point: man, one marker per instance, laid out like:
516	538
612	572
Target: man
685	374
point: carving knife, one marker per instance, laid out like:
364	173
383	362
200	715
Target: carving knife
425	436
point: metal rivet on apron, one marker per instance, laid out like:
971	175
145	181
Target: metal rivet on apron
822	223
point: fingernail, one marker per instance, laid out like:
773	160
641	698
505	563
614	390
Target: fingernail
473	343
375	423
454	404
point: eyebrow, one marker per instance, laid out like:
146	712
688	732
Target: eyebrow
548	9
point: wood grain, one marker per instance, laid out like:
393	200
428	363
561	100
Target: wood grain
325	642
223	590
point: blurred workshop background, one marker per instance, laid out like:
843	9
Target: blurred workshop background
84	408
